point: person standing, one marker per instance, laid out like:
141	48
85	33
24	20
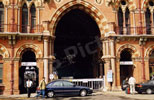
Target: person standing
29	85
131	83
42	87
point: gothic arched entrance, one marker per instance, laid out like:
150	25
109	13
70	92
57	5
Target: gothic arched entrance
77	46
28	70
126	64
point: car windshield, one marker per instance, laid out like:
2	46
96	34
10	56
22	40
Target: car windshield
49	85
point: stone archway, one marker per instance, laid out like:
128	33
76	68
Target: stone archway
27	65
82	5
128	63
149	54
35	48
100	26
134	50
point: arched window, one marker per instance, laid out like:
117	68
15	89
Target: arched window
148	21
1	69
127	21
33	17
1	17
120	20
24	18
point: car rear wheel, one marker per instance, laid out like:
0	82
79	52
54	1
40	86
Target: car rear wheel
149	91
50	94
83	93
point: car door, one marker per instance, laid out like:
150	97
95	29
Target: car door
70	88
57	87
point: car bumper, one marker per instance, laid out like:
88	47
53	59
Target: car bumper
90	91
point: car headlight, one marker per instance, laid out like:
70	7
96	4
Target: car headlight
91	88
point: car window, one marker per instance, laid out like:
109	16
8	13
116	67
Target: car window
57	84
151	82
68	84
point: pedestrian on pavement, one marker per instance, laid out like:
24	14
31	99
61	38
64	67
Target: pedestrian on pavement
131	83
29	85
125	84
42	87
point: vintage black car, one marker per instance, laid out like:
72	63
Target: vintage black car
147	87
62	87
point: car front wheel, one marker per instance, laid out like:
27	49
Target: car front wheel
50	94
83	93
148	91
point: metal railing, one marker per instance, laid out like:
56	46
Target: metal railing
133	30
94	83
21	28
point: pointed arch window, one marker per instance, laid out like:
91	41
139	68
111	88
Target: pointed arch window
120	20
127	21
1	17
1	69
33	17
148	21
24	18
124	21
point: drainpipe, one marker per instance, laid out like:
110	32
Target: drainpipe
142	44
12	48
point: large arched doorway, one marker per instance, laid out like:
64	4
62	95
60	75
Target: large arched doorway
126	64
151	63
28	70
77	46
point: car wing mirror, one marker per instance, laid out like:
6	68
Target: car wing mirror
74	85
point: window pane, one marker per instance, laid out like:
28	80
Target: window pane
57	84
68	84
1	73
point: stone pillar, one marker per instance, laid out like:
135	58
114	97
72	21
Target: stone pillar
118	73
38	20
16	76
113	63
28	27
152	29
134	24
106	68
18	19
40	65
46	59
7	77
6	20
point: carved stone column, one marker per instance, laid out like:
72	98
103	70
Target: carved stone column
152	29
46	71
113	63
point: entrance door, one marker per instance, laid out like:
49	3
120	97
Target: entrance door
151	64
28	70
126	64
76	46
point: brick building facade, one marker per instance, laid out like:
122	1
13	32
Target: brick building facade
79	38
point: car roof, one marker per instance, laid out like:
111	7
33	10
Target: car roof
59	81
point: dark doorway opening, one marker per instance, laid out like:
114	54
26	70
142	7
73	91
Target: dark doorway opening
126	64
77	46
151	64
28	70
